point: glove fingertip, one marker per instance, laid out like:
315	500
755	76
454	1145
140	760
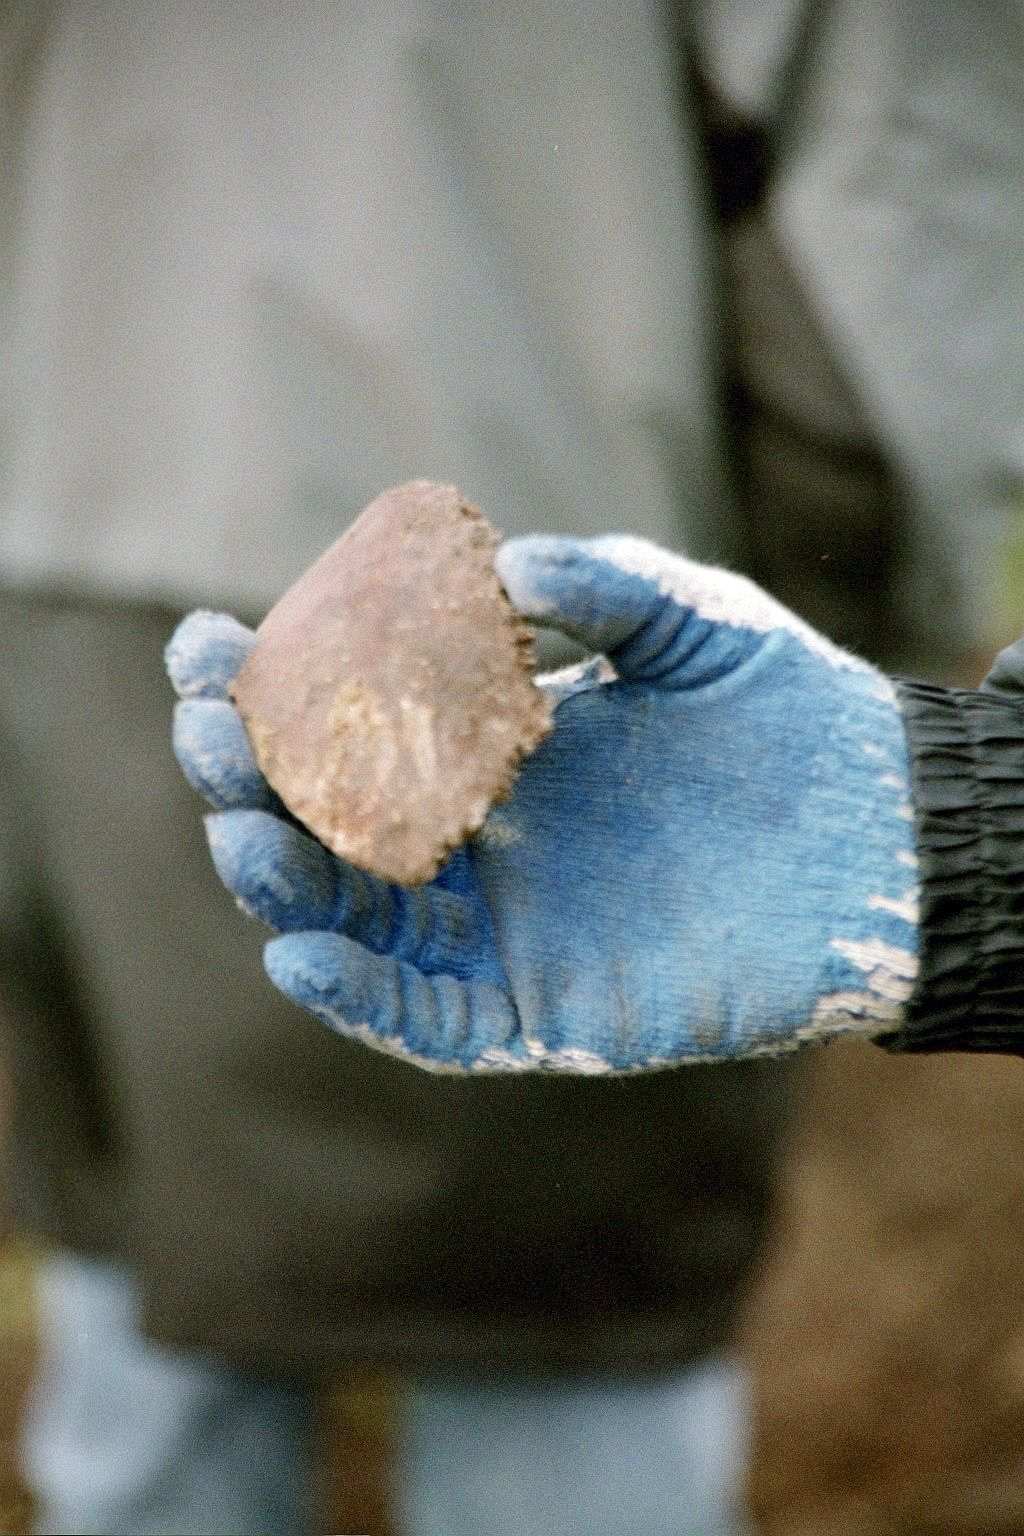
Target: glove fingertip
229	838
306	966
205	654
532	570
581	586
214	754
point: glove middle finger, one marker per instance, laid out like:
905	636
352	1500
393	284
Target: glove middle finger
293	884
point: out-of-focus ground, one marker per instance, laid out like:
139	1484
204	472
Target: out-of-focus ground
885	1331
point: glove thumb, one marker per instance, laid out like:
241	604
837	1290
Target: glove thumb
657	616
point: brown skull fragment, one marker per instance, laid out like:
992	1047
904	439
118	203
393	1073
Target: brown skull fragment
390	696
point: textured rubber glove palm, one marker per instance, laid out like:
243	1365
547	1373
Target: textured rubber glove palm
711	856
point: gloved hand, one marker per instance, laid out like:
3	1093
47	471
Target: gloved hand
711	856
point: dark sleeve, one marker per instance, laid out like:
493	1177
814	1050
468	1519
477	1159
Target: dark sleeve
967	766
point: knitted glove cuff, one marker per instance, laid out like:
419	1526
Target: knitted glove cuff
967	755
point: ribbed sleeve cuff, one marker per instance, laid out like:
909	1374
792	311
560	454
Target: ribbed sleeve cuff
967	755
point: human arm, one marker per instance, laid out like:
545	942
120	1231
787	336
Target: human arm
714	854
967	776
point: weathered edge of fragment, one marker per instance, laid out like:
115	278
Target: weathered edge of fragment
532	717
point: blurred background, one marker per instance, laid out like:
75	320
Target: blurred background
741	276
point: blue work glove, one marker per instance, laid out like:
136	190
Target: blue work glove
711	856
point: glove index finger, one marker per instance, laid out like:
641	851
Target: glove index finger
205	654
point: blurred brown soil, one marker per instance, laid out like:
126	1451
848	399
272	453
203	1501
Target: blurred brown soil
887	1328
359	1457
17	1349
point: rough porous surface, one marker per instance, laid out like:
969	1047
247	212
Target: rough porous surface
390	696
